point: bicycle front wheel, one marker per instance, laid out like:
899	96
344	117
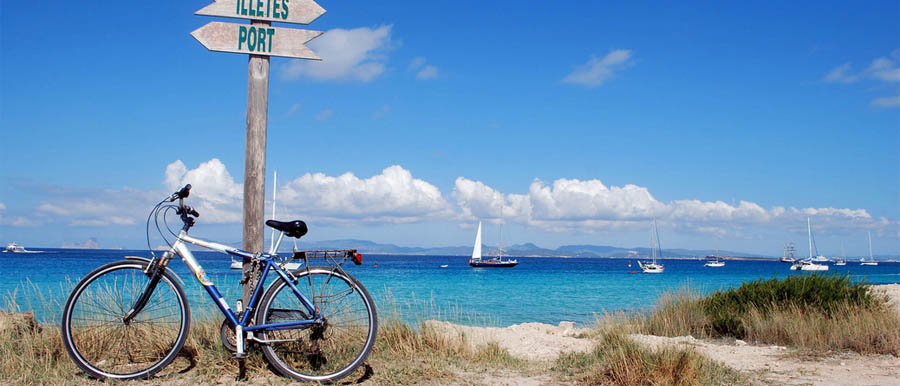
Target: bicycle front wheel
319	353
105	346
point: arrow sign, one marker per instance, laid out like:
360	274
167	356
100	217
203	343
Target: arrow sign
256	40
284	11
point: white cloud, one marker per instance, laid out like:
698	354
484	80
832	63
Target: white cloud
396	196
392	196
324	115
571	205
477	200
347	55
598	70
416	62
841	74
423	71
577	200
887	102
111	220
213	191
98	207
884	69
2	207
427	72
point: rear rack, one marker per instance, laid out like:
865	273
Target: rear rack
336	256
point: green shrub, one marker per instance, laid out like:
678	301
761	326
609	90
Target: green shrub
726	310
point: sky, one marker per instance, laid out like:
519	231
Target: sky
571	122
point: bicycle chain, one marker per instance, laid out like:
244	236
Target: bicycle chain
253	275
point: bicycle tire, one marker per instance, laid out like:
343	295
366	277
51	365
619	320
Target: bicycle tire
102	344
319	354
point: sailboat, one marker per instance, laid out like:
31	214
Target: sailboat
494	262
652	266
871	260
843	259
808	264
716	263
788	256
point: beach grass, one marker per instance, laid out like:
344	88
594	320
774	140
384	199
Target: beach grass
405	353
813	313
618	360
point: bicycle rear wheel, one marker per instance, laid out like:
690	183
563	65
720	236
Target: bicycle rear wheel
323	353
102	344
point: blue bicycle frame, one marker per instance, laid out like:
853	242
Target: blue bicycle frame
180	248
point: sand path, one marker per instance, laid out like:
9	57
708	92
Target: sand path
768	364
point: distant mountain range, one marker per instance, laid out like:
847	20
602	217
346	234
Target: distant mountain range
524	250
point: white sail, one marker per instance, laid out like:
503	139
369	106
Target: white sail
871	261
809	231
476	251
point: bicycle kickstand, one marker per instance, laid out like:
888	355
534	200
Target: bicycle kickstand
240	354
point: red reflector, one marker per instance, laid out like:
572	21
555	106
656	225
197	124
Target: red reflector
357	259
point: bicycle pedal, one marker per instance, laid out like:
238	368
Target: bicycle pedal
239	356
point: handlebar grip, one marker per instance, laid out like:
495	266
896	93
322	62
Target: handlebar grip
192	212
182	193
185	191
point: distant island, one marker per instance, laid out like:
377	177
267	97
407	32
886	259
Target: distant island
516	250
531	250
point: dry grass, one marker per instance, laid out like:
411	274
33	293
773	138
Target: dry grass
676	313
617	360
403	354
869	327
873	330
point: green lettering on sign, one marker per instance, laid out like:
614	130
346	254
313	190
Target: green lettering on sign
242	36
251	39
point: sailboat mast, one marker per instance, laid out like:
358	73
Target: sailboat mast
500	249
717	249
809	231
274	191
870	247
658	247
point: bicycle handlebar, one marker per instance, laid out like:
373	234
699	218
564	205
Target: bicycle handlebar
181	194
184	211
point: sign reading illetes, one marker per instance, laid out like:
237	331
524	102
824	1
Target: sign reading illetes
260	39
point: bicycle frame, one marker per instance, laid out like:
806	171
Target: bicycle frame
180	247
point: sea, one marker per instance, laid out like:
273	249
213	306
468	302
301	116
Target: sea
417	288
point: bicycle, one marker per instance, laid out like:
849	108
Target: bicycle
129	319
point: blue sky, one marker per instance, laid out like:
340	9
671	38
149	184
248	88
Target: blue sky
578	121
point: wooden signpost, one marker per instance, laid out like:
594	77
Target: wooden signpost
259	39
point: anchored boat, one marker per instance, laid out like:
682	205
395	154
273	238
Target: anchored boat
808	264
494	262
652	266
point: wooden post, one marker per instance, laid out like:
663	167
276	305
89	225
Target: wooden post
255	158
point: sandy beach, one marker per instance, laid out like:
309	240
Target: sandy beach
767	364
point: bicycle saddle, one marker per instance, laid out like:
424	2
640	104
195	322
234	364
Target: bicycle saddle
294	228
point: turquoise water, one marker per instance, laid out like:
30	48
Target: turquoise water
547	290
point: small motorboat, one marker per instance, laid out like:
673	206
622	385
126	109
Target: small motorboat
16	248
